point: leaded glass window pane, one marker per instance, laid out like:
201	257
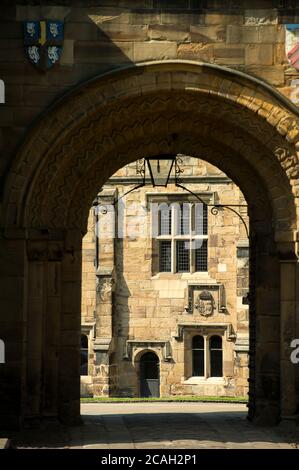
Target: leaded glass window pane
201	256
198	356
165	256
182	256
201	219
183	217
165	220
216	356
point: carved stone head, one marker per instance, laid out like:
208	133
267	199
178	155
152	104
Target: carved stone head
205	303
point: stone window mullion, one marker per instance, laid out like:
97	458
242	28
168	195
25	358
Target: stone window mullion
207	357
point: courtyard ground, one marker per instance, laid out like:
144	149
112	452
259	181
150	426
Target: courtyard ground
160	426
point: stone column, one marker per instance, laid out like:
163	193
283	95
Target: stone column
43	327
104	291
69	353
264	324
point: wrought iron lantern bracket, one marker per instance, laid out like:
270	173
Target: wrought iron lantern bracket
177	161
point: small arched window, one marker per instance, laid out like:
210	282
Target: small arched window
198	356
84	355
216	356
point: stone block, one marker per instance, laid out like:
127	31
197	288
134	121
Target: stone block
260	16
157	50
30	12
207	34
281	58
234	34
102	14
223	19
181	18
250	34
67	57
228	54
86	31
124	32
196	51
103	52
145	17
272	74
271	34
169	33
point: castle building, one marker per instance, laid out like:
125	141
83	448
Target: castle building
165	287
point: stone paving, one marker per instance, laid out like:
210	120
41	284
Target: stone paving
161	426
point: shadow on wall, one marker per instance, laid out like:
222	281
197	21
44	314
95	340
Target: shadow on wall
101	38
125	384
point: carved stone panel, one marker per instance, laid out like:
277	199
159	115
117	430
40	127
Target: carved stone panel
104	288
206	300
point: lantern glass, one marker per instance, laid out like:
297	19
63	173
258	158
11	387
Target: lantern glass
160	169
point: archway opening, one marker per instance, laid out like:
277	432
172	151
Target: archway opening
153	109
163	266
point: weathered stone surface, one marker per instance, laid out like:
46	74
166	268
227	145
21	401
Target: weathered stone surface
178	18
256	54
260	16
229	54
113	53
124	32
218	18
272	74
169	32
154	50
199	51
207	34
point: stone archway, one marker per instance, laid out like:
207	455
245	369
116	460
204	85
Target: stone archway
228	119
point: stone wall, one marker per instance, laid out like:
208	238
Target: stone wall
243	35
151	310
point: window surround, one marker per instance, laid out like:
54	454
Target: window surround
206	329
207	356
222	329
174	236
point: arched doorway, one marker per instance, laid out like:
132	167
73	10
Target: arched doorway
228	119
149	375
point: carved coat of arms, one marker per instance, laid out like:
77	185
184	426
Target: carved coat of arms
104	288
43	42
205	303
292	44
